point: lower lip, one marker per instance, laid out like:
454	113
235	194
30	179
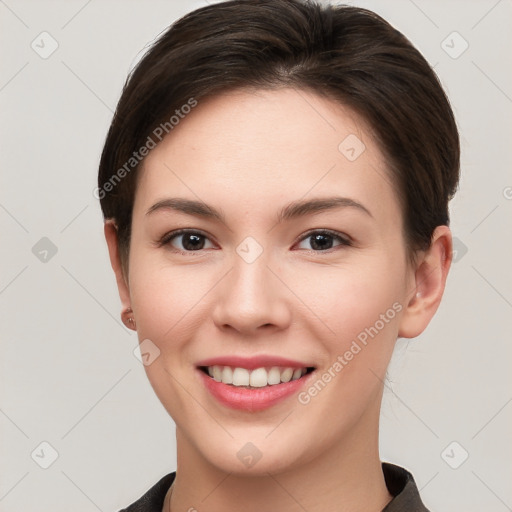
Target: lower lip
256	399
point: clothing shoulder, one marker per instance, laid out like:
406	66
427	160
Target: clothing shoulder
399	481
153	499
401	485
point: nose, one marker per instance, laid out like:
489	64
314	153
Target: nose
252	298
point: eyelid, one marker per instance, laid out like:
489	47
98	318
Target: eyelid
182	231
344	239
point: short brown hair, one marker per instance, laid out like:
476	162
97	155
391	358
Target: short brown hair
347	54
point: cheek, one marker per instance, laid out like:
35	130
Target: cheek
345	299
169	311
348	298
165	299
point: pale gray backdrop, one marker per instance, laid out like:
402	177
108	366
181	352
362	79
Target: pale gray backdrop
74	398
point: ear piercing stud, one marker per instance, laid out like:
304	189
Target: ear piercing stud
129	321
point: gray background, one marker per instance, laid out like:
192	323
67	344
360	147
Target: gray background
68	372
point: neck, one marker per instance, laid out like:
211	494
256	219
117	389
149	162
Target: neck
345	478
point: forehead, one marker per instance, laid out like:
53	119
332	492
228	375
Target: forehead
270	146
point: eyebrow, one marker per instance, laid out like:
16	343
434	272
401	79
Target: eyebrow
293	210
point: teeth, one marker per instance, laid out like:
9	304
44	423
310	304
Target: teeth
258	378
286	375
274	376
240	377
217	373
227	375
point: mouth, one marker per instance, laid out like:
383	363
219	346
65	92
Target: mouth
253	383
257	378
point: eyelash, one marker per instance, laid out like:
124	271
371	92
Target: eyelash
344	241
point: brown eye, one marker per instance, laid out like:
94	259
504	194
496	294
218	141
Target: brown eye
189	240
322	240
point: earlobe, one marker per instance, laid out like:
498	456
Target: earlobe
429	282
110	230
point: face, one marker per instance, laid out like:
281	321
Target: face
323	287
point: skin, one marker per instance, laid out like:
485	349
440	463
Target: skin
249	154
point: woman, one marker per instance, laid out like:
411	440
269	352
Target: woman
275	188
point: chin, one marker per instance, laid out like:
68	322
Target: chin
258	457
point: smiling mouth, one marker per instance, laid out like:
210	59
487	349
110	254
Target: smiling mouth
256	378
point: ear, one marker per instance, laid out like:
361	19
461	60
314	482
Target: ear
426	291
110	229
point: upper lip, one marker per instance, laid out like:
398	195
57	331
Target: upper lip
254	362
